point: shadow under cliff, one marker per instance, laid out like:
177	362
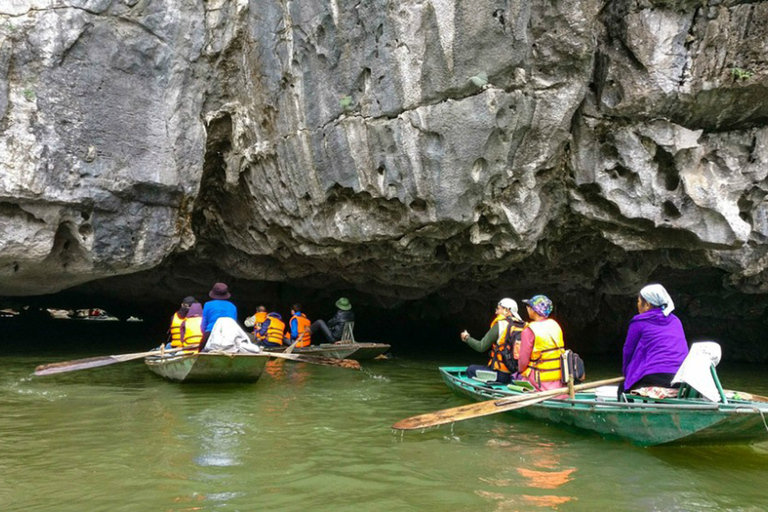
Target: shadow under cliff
594	323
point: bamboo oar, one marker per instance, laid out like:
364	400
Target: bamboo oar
488	407
95	362
325	361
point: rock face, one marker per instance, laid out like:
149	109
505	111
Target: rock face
400	148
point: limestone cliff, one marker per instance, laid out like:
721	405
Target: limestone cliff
399	147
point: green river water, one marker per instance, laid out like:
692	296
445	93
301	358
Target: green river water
316	438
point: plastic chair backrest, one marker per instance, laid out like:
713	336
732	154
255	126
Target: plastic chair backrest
349	332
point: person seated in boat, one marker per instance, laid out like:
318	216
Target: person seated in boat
255	321
655	346
333	329
191	327
541	346
502	338
218	307
272	331
300	328
174	332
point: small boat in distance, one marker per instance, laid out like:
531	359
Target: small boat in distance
737	418
340	350
208	367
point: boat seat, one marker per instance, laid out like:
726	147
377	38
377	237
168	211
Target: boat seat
348	335
697	374
486	376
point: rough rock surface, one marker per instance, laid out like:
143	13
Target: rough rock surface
467	148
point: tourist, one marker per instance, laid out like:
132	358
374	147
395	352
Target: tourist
255	321
218	307
300	328
191	327
272	331
333	330
501	338
174	333
541	346
655	346
499	313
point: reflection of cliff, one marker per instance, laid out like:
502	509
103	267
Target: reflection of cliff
576	145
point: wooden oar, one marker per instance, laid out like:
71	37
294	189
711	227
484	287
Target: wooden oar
325	361
476	410
95	362
291	347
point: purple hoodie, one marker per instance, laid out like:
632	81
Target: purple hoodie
655	344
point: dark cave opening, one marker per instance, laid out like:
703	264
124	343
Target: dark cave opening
594	323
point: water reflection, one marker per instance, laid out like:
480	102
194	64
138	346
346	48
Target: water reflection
307	436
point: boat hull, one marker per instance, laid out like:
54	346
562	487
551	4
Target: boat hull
356	351
207	367
645	422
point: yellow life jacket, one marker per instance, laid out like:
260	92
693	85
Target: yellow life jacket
260	317
175	330
497	319
193	331
548	347
508	331
276	330
302	323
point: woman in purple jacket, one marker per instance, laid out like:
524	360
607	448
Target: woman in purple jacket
655	346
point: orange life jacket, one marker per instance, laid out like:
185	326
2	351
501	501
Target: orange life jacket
302	323
175	330
193	332
260	317
548	347
276	330
509	332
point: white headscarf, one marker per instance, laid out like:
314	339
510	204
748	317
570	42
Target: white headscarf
656	295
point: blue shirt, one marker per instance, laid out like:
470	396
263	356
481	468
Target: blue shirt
215	309
295	326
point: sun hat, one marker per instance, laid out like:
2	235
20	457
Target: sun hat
511	305
344	304
540	304
219	291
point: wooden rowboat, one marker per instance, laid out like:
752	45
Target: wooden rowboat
642	421
356	351
208	367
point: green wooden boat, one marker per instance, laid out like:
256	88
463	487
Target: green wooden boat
353	350
643	421
209	367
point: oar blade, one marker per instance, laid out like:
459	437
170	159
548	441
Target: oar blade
71	366
95	362
488	407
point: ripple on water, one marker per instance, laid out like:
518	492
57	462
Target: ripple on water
314	437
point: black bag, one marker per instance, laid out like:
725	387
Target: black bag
508	358
573	365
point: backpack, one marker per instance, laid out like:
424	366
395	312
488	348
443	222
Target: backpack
573	365
510	352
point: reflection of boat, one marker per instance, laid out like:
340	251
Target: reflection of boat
356	351
209	367
642	420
